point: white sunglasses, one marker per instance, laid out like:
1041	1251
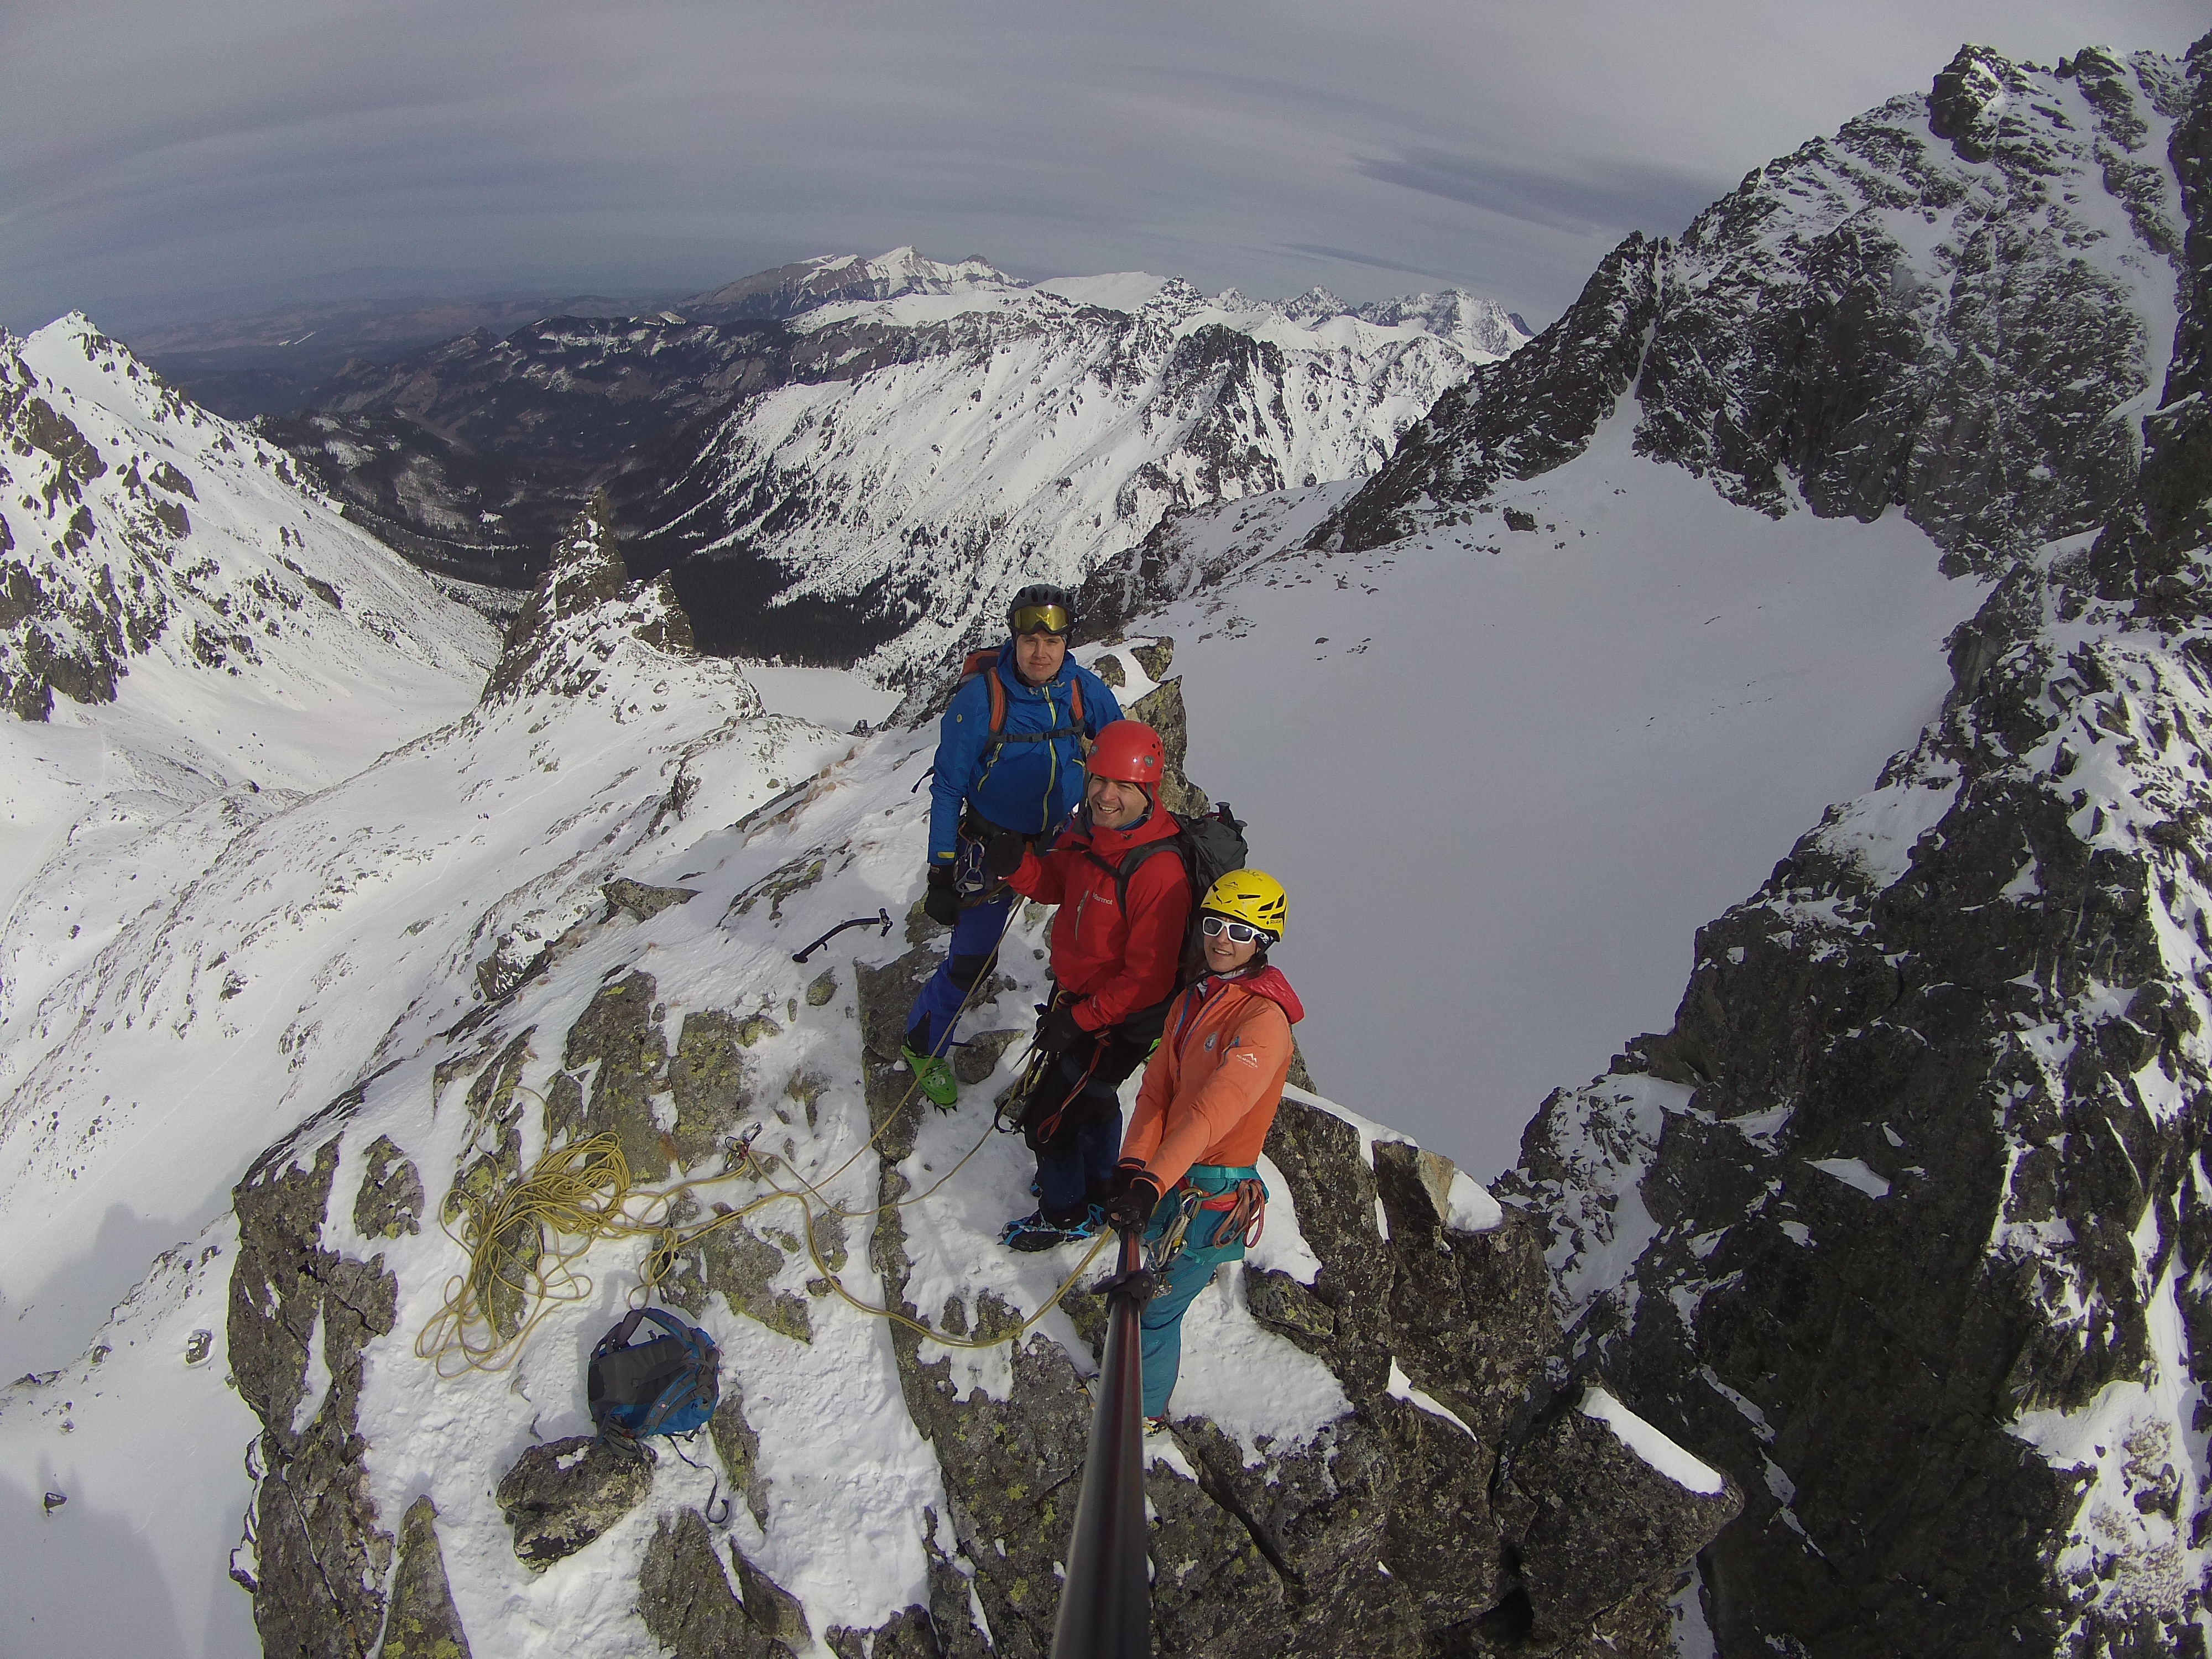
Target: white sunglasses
1240	932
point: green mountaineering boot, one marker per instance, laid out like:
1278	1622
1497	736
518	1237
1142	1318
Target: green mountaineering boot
935	1076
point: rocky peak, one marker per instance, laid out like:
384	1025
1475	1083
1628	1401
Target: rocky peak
584	613
1931	308
1968	100
1901	1221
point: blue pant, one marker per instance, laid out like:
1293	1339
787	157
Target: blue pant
1067	1184
974	939
1160	1342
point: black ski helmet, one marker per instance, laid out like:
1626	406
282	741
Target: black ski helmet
1039	596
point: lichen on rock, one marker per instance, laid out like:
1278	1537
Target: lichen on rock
320	1557
422	1622
390	1201
617	1031
711	1081
562	1494
685	1600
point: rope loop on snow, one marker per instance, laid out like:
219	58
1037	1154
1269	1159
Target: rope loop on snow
524	1239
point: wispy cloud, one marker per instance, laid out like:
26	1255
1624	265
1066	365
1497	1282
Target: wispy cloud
1582	197
162	161
1372	261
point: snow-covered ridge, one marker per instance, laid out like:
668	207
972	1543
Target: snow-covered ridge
133	523
188	638
488	941
988	434
1925	1128
1960	302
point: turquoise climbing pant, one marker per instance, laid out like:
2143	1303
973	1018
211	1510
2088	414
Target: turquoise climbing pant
1161	1343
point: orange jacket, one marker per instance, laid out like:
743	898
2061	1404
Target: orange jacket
1210	1089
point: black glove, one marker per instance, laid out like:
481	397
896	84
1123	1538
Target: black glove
941	902
1057	1032
1004	851
1136	1194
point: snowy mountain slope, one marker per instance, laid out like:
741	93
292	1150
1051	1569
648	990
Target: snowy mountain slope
267	956
807	284
190	639
283	957
1961	303
507	934
471	454
1022	434
1505	774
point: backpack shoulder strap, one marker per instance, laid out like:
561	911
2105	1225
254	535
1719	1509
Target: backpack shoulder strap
1134	857
997	688
984	665
667	1322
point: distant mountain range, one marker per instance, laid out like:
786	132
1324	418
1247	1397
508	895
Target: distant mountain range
827	454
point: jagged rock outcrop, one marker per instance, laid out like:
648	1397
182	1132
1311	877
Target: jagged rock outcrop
562	1495
422	1622
1392	1522
320	1554
1901	1223
1383	1534
577	618
1936	308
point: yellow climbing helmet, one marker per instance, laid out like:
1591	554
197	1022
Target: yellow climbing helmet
1249	896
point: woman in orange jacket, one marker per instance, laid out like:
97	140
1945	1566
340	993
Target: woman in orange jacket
1188	1174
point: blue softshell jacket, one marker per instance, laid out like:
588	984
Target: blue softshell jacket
1028	787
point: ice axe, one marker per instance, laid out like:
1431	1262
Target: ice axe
881	915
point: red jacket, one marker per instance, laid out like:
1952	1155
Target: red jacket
1113	965
1211	1089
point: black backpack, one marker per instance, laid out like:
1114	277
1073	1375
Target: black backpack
1210	845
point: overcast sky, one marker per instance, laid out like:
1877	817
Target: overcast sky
161	161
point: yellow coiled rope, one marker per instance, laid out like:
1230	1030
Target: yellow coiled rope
524	1239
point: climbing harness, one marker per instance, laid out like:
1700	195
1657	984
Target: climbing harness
1243	1208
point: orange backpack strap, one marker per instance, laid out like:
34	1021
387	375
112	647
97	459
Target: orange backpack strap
986	663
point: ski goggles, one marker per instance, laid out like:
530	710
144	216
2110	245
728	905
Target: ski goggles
1042	619
1240	932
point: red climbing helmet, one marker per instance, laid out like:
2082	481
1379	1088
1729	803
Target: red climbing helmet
1128	751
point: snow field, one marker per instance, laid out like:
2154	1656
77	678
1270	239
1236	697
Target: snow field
147	1447
1505	775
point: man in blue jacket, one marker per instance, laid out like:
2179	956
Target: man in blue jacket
1009	758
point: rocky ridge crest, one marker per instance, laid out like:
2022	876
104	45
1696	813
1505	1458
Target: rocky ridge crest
1454	1499
1902	1222
1957	304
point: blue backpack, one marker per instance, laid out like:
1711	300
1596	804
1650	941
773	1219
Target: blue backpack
668	1385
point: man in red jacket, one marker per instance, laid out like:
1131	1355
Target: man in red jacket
1116	945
